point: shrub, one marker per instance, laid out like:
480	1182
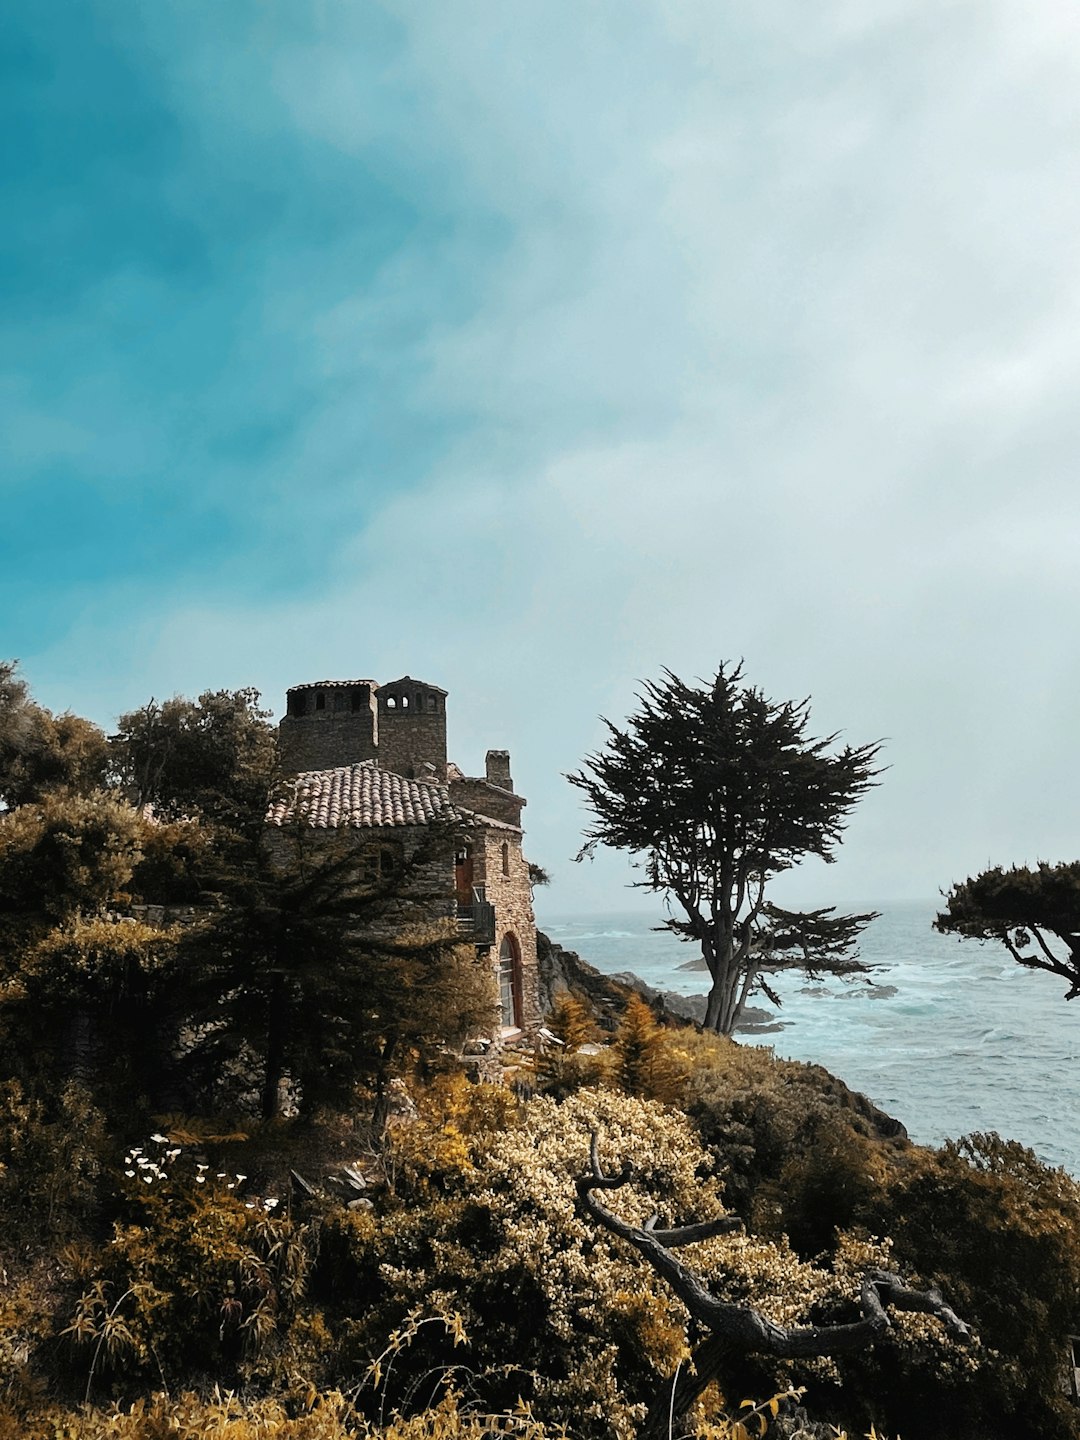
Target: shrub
555	1310
999	1232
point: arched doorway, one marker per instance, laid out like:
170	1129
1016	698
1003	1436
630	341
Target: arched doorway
510	981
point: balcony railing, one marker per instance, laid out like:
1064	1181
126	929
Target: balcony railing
476	918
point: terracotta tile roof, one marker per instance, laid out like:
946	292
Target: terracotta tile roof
328	685
362	795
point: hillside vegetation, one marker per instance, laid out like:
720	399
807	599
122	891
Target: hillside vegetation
391	1248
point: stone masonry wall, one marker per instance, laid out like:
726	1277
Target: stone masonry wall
484	799
431	881
410	741
511	896
325	739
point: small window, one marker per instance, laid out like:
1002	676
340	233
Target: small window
404	702
356	701
505	858
391	702
341	700
379	864
296	703
320	701
433	702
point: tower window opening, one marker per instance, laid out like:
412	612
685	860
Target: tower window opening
320	701
391	702
404	702
505	858
433	702
355	701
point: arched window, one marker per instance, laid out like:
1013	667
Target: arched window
379	864
509	982
505	858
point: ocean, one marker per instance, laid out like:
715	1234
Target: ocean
950	1036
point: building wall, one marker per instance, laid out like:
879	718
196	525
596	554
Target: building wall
412	729
431	881
402	727
485	799
511	895
327	726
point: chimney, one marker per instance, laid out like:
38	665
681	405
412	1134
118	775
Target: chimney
497	769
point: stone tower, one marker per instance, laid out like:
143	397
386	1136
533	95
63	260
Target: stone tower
329	723
401	726
412	729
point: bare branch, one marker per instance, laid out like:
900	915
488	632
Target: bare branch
740	1326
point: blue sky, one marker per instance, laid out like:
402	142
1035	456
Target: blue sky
530	348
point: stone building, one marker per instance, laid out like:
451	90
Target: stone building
372	758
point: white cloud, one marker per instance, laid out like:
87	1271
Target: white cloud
774	358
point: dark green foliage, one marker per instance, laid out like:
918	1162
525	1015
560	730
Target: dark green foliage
1027	911
214	756
183	863
42	753
717	789
14	706
800	1153
66	855
818	941
310	967
103	1000
999	1231
52	1155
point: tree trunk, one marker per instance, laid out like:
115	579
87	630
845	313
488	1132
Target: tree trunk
720	1009
381	1113
275	1047
676	1395
713	1008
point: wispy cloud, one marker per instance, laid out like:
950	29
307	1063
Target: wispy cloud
533	348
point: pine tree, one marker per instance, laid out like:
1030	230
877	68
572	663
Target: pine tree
572	1023
644	1066
715	789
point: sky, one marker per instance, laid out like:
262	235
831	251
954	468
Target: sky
531	347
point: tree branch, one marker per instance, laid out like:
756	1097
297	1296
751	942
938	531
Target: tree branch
739	1326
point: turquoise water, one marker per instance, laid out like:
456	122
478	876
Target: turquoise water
951	1037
